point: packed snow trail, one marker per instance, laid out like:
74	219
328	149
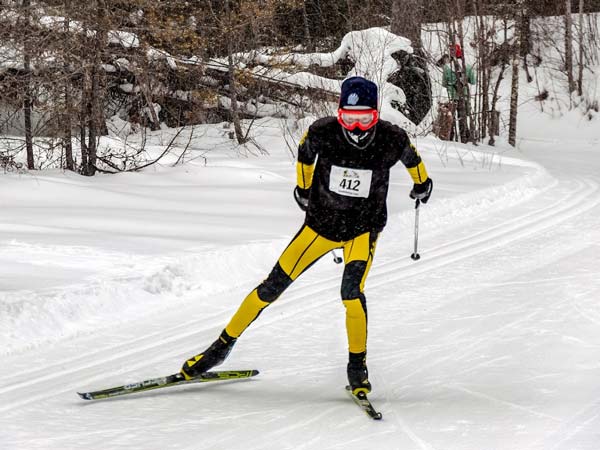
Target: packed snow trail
489	341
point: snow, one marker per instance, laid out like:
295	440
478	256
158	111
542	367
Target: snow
57	23
371	51
123	38
129	88
10	58
157	55
489	341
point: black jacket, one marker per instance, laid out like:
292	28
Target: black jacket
350	185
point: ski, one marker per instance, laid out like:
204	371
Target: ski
365	404
176	379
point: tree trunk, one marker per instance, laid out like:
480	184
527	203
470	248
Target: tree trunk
84	111
68	123
67	127
514	101
28	98
493	123
235	116
145	85
92	147
580	74
525	39
27	108
96	112
467	134
461	79
525	32
569	45
514	92
307	37
483	69
83	126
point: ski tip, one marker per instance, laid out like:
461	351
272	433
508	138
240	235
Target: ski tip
85	395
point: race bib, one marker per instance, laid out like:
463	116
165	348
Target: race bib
350	182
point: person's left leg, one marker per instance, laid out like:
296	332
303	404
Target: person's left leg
303	251
358	257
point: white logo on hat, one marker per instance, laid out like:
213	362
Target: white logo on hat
353	98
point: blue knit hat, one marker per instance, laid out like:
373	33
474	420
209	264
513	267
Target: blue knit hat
358	91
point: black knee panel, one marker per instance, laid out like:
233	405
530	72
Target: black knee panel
353	273
277	282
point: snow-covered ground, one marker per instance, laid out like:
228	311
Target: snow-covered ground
490	341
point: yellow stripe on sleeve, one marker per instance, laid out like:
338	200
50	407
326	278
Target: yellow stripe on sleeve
304	174
418	173
303	138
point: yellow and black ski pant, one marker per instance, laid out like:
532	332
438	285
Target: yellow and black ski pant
303	251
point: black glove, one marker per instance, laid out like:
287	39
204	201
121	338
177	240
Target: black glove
301	197
422	191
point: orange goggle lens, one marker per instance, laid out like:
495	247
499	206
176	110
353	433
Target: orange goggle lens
357	118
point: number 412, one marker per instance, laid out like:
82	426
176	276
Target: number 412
351	185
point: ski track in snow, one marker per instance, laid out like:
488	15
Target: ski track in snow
501	234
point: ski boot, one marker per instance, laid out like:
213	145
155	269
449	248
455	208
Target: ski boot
212	356
358	375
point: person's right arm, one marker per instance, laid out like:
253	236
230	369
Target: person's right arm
305	169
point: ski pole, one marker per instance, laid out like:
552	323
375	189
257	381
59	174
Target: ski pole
415	256
336	258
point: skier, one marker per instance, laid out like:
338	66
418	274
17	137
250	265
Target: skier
343	173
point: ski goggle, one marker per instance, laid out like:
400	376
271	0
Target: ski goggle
357	118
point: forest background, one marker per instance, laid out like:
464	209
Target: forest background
67	68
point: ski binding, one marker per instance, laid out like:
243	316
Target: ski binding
365	404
